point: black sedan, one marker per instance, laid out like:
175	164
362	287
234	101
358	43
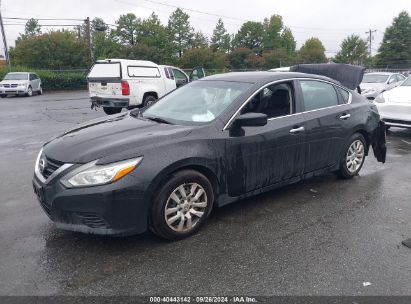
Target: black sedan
207	144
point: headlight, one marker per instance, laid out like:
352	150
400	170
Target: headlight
380	98
94	175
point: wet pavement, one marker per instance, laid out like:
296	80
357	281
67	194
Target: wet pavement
323	236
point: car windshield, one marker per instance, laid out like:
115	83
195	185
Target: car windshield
374	78
407	82
197	102
15	76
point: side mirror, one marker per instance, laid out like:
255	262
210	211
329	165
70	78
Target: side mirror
251	120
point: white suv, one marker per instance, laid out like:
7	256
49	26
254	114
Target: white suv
21	83
118	83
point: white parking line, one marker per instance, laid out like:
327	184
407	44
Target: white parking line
407	142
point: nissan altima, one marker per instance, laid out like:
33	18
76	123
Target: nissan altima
204	145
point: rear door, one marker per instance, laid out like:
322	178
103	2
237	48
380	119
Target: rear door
181	78
327	122
105	80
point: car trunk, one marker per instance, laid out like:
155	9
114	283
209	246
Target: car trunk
105	79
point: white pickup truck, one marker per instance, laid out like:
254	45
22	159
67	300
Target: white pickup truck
115	84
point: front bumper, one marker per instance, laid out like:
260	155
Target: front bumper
13	91
110	102
118	209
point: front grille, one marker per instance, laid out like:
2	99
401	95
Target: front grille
92	220
51	166
10	85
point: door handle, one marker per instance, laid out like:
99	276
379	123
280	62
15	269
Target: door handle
297	130
345	116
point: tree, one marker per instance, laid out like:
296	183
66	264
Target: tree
128	27
250	35
180	30
353	51
272	32
278	58
56	49
220	40
199	40
287	40
204	57
238	57
32	28
395	49
103	42
312	51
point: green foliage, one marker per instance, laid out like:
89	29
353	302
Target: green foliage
204	57
395	49
287	41
58	49
312	51
199	40
272	32
128	27
220	40
180	30
353	51
54	80
278	58
238	57
250	35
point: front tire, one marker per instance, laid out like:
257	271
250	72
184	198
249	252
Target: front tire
29	92
353	157
182	205
111	111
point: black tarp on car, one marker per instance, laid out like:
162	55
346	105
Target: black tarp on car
349	76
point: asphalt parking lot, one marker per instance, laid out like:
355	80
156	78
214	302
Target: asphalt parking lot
320	237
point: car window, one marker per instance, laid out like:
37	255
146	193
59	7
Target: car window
31	77
374	78
274	101
318	95
197	102
179	75
167	73
344	94
143	72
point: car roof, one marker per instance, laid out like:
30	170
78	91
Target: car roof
128	62
256	77
19	73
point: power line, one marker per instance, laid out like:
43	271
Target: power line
62	19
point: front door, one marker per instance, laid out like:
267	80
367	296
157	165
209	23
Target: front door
261	156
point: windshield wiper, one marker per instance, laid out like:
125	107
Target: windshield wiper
158	119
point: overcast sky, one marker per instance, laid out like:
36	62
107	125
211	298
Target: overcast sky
329	20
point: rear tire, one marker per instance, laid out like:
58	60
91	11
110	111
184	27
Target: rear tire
149	100
182	205
111	111
353	157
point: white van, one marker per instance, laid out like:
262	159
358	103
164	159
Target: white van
119	83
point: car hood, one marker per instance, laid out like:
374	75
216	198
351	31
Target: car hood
401	94
14	82
109	136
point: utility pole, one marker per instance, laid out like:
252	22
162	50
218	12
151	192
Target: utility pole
6	50
88	37
370	32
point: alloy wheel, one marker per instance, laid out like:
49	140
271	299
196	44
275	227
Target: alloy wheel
355	156
185	206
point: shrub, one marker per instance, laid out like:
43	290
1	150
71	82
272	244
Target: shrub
54	80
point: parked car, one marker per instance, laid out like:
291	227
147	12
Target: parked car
115	84
21	83
375	83
282	69
395	105
207	144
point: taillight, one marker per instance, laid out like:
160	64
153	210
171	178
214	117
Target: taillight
125	88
